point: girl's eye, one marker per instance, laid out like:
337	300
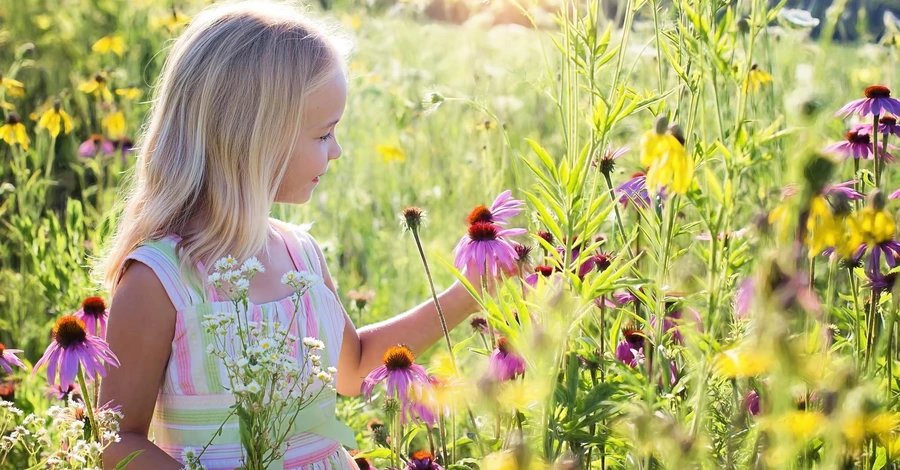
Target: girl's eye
326	137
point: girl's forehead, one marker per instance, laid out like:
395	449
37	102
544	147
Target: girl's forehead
327	103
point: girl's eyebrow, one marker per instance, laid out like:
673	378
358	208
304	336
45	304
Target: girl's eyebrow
326	126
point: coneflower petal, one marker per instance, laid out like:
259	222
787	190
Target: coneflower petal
69	367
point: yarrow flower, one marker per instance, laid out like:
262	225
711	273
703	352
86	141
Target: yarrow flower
94	314
504	363
73	347
878	101
8	359
485	249
400	371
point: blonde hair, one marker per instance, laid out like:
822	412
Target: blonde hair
226	112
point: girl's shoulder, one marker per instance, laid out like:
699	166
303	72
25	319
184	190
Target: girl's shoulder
306	242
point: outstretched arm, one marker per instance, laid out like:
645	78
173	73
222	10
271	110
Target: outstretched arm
418	328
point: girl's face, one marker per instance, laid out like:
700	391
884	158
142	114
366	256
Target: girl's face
317	144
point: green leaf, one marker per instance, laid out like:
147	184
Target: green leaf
545	157
128	459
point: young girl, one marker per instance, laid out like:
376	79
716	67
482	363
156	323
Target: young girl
244	116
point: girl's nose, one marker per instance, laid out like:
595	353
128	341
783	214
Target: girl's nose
335	151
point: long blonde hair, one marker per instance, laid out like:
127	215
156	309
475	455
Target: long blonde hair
226	112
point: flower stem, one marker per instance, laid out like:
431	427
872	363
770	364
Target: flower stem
854	288
875	152
86	396
437	303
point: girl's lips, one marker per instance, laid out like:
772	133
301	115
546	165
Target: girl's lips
316	179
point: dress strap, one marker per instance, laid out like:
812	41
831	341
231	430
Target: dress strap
161	257
299	246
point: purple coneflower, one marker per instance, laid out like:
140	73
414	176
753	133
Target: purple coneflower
751	402
539	271
894	195
8	359
94	314
607	162
845	189
502	209
96	142
72	347
58	392
631	349
877	101
400	371
635	190
364	463
422	460
744	298
484	246
858	144
673	321
505	364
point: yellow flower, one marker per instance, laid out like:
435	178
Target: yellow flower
740	362
7	106
13	87
55	117
13	132
874	225
110	43
670	164
804	424
823	228
171	21
98	86
756	78
129	93
391	153
114	125
486	125
354	21
43	21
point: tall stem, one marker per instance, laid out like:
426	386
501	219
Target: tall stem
437	303
878	166
86	396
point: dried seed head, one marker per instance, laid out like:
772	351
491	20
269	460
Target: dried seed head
523	253
412	218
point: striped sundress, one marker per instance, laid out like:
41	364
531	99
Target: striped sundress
193	400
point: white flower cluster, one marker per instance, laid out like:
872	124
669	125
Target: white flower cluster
234	279
191	459
61	442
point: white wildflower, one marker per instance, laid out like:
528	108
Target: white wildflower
332	370
324	377
252	266
313	343
253	387
226	264
214	278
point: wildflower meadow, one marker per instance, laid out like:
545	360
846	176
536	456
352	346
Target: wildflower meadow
683	214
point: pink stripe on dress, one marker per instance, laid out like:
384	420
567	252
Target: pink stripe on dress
183	367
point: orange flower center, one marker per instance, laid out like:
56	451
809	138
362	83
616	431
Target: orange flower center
2	348
854	137
94	306
69	331
504	346
422	455
483	231
480	214
398	358
878	91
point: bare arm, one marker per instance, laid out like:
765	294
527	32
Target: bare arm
140	333
362	349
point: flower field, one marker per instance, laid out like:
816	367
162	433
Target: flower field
686	214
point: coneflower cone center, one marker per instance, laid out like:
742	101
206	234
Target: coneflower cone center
854	137
398	357
94	306
483	231
504	346
12	118
888	120
480	214
69	331
545	271
2	349
878	91
634	338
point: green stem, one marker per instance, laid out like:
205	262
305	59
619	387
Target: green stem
437	303
86	396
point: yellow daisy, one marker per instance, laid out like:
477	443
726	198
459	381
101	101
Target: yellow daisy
13	87
756	78
55	117
109	44
670	165
391	153
13	132
738	363
114	125
98	86
172	21
130	93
